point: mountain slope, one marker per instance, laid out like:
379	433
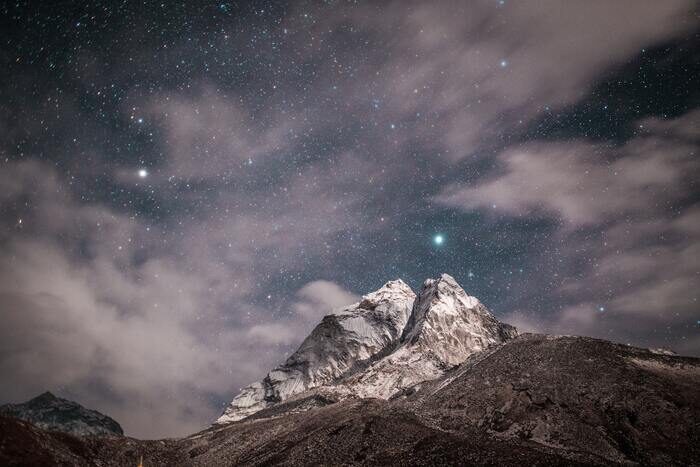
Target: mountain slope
574	394
342	340
53	413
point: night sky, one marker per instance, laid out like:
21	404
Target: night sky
186	188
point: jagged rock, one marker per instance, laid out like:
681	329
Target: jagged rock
53	413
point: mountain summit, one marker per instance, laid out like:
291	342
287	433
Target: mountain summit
389	341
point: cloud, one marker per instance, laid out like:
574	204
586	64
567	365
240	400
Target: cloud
143	324
313	301
319	298
72	328
640	259
582	183
211	134
465	75
92	299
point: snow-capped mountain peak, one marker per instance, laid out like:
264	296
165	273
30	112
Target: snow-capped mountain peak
450	324
342	340
388	341
446	326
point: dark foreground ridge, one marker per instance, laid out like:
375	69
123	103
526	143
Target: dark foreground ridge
535	400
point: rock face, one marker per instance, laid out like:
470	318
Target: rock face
445	327
53	413
389	341
450	325
341	341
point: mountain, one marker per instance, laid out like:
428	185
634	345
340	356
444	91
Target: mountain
535	400
389	341
340	342
432	379
53	413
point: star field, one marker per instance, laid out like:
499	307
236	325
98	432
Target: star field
187	188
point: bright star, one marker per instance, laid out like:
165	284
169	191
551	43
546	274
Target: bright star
143	173
438	239
504	63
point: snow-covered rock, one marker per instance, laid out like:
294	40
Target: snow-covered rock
341	341
446	326
56	414
388	342
451	325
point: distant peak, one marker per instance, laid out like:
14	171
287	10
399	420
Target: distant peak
54	413
46	396
48	399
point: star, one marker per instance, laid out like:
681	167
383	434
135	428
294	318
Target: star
438	239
